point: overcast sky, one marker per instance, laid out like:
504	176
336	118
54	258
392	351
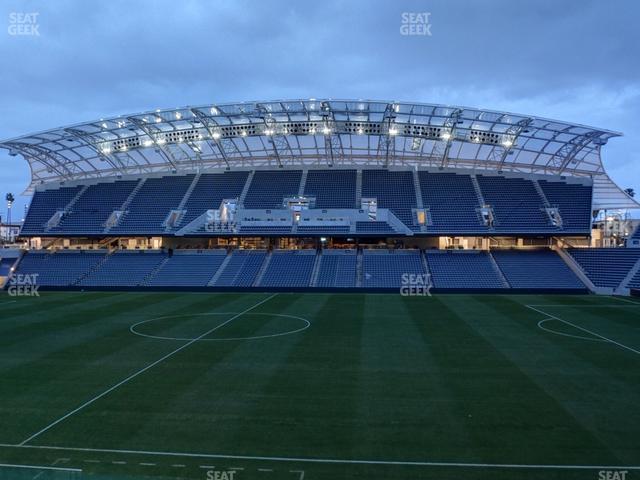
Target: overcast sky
576	61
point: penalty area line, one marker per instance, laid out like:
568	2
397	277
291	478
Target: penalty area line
333	460
40	467
584	329
140	372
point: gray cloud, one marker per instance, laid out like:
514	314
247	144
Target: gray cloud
572	60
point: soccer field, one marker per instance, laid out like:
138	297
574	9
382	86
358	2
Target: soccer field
318	386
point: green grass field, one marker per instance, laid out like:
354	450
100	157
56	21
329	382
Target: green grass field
319	386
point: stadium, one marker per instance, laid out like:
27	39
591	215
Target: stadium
319	289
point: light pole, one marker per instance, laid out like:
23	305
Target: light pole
10	199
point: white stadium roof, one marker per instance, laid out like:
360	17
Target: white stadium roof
290	133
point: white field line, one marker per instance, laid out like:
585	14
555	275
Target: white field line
625	300
544	320
139	372
335	460
40	467
59	460
583	305
584	329
7	303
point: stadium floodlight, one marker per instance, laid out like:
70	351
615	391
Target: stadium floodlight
104	124
161	141
326	130
360	131
216	135
507	143
446	136
158	119
244	133
268	131
178	115
393	131
148	143
312	130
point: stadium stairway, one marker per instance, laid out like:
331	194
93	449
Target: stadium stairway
263	269
632	280
607	268
577	270
499	272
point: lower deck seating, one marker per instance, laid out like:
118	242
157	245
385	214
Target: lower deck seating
635	281
188	269
290	268
337	269
242	269
58	269
331	268
536	269
606	267
463	269
385	268
5	266
124	269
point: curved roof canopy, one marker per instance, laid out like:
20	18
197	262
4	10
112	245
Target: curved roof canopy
315	132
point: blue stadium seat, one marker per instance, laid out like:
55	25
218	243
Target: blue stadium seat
269	188
385	268
337	269
332	188
516	204
452	202
542	269
290	268
188	269
44	204
315	230
61	268
210	190
606	267
242	268
573	201
375	228
91	211
394	190
463	269
152	204
124	269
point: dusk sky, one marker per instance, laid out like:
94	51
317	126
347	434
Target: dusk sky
571	60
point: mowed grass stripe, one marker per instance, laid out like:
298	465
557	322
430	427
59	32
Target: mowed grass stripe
402	402
491	368
180	402
86	349
226	383
377	377
566	371
307	405
78	369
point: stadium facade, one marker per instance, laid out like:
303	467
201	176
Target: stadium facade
321	194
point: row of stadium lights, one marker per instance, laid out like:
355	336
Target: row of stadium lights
269	132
